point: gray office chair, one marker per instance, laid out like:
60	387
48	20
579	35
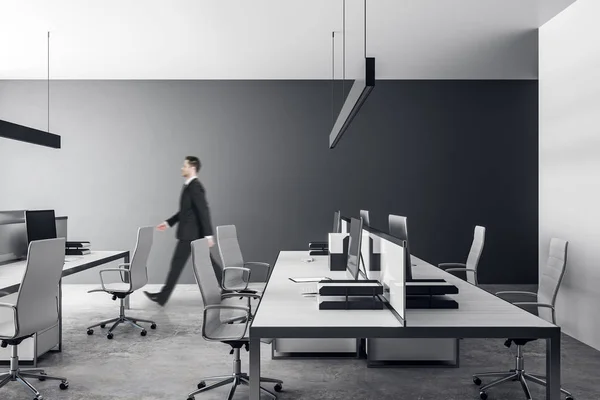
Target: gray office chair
398	227
237	272
133	276
470	268
364	214
223	322
35	308
550	282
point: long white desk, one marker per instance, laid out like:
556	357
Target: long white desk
11	275
284	313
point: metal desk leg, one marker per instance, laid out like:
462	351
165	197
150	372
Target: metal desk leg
254	368
553	367
126	299
60	306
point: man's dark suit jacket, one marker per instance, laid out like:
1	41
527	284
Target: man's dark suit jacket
193	215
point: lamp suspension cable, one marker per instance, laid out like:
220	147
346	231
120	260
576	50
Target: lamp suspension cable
48	80
365	28
332	76
344	51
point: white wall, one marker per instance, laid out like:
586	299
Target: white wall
570	161
270	39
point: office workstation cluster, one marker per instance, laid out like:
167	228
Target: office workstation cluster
359	295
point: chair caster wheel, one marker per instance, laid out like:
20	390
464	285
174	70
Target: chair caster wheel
201	385
153	326
144	333
103	326
483	395
476	381
109	336
38	398
570	398
190	398
278	387
41	379
90	331
64	385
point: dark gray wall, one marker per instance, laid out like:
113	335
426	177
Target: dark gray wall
448	154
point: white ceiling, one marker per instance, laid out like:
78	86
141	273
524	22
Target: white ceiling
270	39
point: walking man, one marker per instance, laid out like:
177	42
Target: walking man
194	222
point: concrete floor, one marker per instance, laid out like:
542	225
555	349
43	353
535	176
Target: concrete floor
170	361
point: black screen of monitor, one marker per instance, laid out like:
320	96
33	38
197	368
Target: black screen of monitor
41	225
352	266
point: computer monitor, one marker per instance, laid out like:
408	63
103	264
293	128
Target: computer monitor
355	241
337	222
398	228
364	215
41	224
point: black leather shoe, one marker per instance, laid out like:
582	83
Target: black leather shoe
155	297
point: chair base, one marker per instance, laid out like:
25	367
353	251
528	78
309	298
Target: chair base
517	374
17	375
122	319
235	380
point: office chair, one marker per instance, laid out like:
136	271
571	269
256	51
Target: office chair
550	282
33	309
222	323
398	227
364	214
134	276
236	276
470	268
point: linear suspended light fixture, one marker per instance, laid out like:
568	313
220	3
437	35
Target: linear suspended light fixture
360	90
10	130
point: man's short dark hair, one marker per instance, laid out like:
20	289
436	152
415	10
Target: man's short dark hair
194	162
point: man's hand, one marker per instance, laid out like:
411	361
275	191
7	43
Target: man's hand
162	226
211	242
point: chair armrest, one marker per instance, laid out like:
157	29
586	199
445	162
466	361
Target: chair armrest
451	265
259	268
244	282
460	270
516	292
240	295
121	270
15	319
224	307
533	303
124	265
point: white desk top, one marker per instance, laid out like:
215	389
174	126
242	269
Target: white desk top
283	309
283	305
11	274
476	307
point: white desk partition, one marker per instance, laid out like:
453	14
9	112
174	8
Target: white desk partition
344	226
370	251
392	275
